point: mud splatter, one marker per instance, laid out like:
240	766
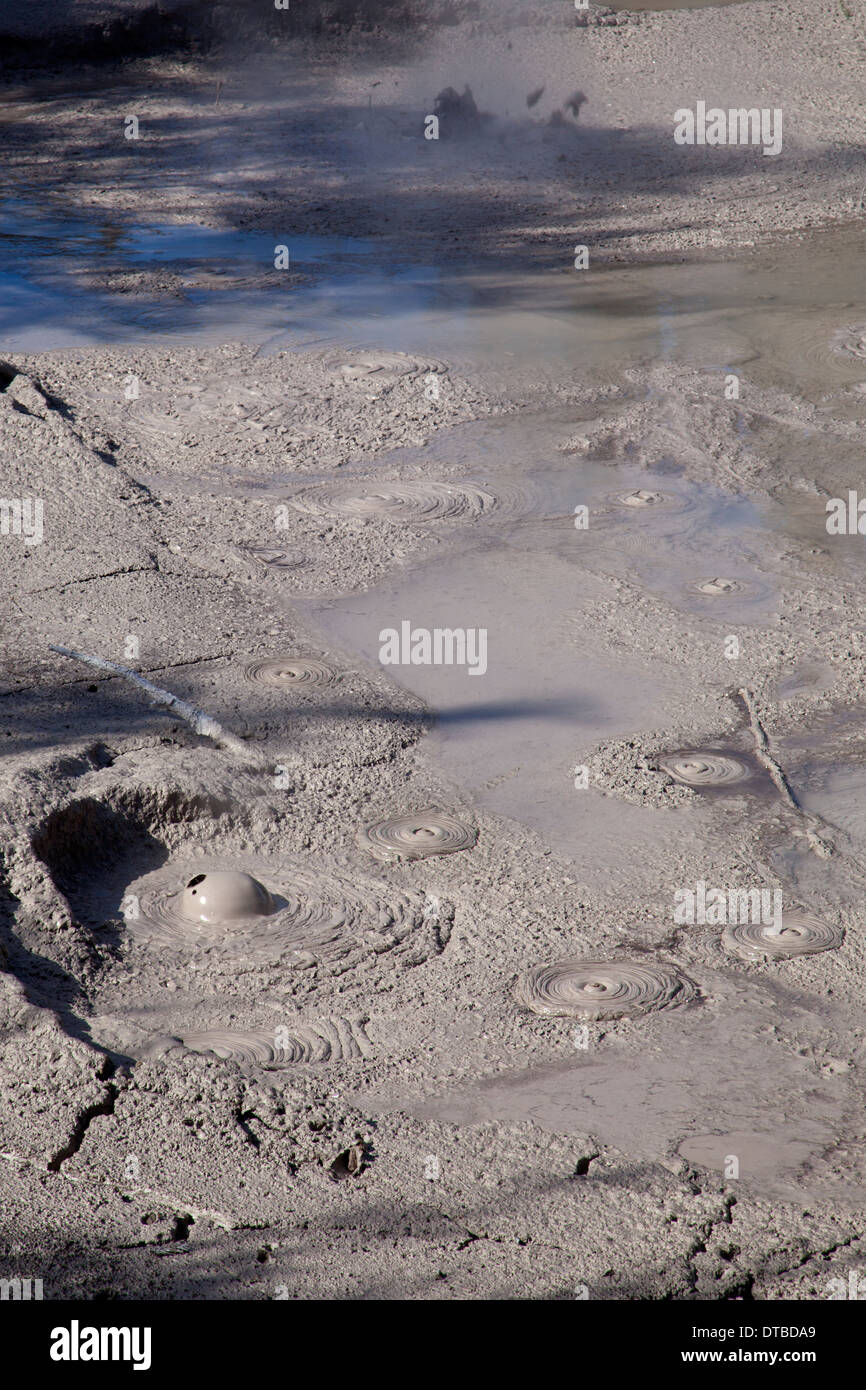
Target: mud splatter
601	989
801	935
699	768
399	502
330	1040
292	672
418	836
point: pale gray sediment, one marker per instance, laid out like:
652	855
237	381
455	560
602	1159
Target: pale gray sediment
157	1068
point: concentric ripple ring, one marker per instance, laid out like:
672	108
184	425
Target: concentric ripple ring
801	935
705	768
291	672
601	989
399	502
333	1040
418	836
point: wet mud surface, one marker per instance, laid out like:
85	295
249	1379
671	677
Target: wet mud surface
455	932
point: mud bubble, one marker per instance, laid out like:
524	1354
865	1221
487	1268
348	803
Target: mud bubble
311	913
719	587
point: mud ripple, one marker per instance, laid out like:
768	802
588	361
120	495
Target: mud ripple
270	557
315	913
705	768
399	502
601	989
801	935
292	672
418	836
332	1040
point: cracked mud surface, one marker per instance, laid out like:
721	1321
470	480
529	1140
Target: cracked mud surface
357	1106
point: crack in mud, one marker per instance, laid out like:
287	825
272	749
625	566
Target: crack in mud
105	1106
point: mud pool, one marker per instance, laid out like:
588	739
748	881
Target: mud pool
639	547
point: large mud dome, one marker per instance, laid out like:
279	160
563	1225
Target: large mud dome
432	690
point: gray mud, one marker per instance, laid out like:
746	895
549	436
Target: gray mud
471	998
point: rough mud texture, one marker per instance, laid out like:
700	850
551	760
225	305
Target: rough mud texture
472	1053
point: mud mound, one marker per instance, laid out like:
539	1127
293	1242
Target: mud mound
419	836
317	912
331	1040
801	935
601	989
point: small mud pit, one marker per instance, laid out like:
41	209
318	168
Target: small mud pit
748	1155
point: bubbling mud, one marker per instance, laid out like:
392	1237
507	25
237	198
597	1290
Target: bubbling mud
314	914
389	364
332	1040
399	502
225	895
850	342
801	935
642	498
601	989
719	588
428	832
699	768
292	672
270	557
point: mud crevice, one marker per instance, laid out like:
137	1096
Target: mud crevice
105	1106
110	574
